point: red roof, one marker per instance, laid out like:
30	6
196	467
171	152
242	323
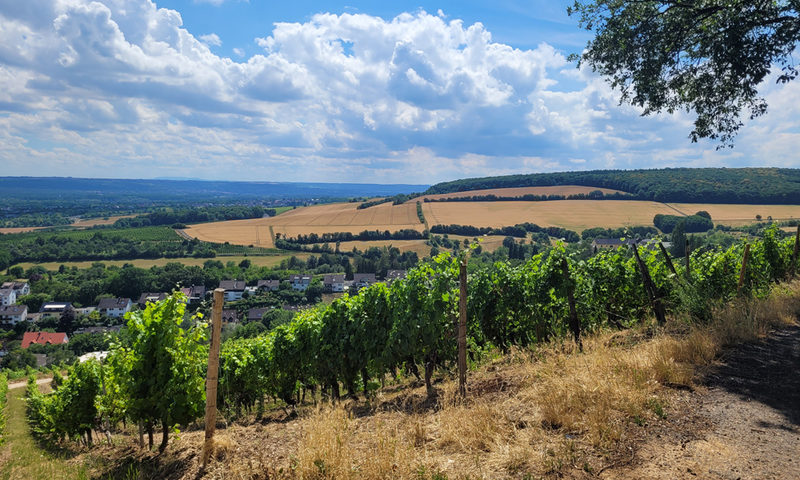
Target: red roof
43	338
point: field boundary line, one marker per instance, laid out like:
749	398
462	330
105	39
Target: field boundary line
182	233
674	208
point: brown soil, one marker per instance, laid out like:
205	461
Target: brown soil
742	423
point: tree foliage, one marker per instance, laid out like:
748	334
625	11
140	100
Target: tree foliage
707	57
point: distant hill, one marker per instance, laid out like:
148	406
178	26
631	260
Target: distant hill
75	196
687	185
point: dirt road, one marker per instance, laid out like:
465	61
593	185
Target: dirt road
22	383
744	424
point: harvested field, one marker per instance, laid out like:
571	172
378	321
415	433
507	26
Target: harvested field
520	191
336	217
575	215
488	243
80	224
260	261
740	214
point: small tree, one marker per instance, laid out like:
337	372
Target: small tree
165	381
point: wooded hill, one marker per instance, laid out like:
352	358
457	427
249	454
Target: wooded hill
701	185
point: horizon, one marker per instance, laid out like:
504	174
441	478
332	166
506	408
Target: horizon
312	92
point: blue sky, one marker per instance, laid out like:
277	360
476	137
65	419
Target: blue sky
385	92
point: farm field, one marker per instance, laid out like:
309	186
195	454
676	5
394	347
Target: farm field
575	215
88	223
488	243
261	261
336	217
740	214
518	192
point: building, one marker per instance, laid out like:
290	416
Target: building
13	314
361	280
21	288
114	307
300	282
229	316
197	293
8	296
333	282
150	297
54	309
255	314
43	338
269	285
99	330
393	275
234	289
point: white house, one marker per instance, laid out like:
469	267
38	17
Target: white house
361	280
300	282
13	314
269	285
234	289
22	288
114	307
8	296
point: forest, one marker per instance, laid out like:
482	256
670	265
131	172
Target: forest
698	185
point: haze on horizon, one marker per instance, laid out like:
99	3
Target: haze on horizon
365	92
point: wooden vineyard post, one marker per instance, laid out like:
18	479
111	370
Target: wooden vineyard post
743	271
650	288
213	374
462	330
796	249
574	322
669	260
688	266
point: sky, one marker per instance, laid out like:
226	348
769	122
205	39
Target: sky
362	91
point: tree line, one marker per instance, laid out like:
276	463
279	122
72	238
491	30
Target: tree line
690	185
519	230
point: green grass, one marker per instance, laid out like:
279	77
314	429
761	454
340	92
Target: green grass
279	210
21	457
142	234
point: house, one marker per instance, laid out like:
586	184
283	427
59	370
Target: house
8	296
229	316
361	280
43	338
234	289
99	330
269	285
255	314
300	282
21	288
150	297
114	307
333	282
54	309
393	275
85	310
13	314
197	293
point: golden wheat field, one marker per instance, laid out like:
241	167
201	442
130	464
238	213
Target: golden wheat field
520	191
334	217
488	243
575	215
740	214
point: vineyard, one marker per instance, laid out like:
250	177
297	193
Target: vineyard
154	377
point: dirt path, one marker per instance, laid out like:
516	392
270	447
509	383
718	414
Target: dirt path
23	383
743	424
